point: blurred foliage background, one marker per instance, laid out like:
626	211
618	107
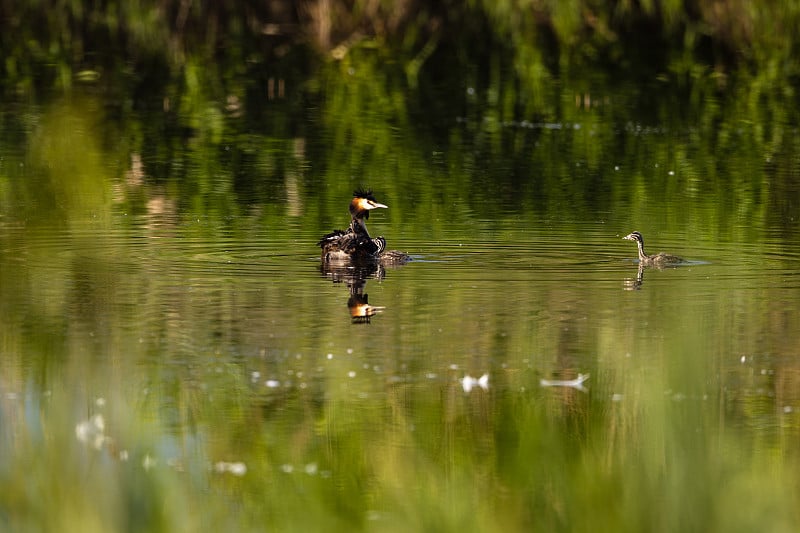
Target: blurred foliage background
155	43
478	81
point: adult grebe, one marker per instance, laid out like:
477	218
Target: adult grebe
354	243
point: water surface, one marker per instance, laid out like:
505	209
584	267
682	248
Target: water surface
187	307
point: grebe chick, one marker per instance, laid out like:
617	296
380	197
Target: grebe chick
658	260
354	243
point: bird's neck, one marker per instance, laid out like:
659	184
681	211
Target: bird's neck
359	226
642	256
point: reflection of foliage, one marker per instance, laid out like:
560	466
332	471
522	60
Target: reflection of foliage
224	102
48	42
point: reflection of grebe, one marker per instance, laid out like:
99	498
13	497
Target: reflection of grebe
636	283
658	260
360	310
354	243
355	277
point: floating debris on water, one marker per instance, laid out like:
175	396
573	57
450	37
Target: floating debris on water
148	462
468	382
92	431
236	468
576	383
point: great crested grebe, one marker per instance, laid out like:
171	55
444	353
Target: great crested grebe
658	260
354	243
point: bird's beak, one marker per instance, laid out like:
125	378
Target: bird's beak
627	238
374	205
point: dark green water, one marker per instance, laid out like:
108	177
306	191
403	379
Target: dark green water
167	280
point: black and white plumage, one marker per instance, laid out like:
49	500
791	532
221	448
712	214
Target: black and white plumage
355	243
658	260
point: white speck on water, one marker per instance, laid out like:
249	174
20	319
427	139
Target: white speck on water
787	409
100	402
311	469
468	382
236	468
148	462
616	397
255	376
351	374
349	351
743	359
272	383
576	383
454	367
431	375
330	356
671	172
287	468
92	431
616	167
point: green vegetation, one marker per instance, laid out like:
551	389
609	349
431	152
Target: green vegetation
154	48
165	168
